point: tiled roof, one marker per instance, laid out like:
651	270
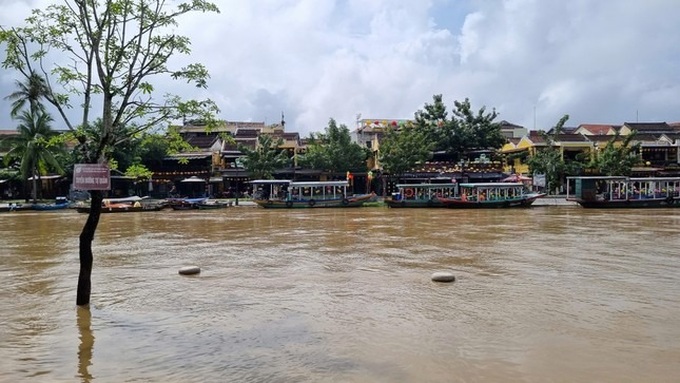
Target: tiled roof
658	127
597	129
202	141
247	133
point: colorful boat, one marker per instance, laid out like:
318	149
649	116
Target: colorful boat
124	205
624	192
421	195
286	194
491	195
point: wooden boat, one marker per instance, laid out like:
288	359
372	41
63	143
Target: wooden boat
212	205
491	195
624	192
50	206
421	195
185	203
286	194
124	205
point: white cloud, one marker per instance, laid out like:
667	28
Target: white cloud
315	59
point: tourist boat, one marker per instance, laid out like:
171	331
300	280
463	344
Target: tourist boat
491	195
421	195
124	205
286	194
624	192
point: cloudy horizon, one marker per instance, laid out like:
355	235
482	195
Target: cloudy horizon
533	61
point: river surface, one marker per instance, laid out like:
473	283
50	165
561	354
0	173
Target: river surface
547	294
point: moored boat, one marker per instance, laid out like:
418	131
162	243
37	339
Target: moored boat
213	205
491	195
50	206
421	195
286	194
605	192
185	203
124	205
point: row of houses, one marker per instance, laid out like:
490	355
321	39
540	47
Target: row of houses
214	167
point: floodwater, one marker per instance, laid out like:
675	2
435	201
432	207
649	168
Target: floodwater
547	294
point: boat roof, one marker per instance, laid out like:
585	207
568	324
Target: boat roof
270	182
318	183
492	185
599	177
446	185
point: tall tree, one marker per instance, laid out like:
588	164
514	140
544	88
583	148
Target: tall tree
403	148
464	132
548	160
113	51
334	151
618	157
33	147
262	161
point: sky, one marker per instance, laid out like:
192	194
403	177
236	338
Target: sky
533	61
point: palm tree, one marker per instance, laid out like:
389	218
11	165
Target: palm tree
32	147
31	91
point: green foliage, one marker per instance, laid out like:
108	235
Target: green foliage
139	171
113	50
401	150
548	160
464	132
334	151
617	160
33	148
266	158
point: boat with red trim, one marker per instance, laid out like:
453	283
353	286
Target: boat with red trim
421	195
286	194
491	195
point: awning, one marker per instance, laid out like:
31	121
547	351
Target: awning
45	177
193	179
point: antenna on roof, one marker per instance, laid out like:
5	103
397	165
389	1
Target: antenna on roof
637	115
283	120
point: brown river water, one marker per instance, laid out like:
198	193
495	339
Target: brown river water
547	294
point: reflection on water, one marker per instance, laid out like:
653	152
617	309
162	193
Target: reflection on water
86	346
543	294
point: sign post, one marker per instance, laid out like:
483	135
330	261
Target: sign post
91	177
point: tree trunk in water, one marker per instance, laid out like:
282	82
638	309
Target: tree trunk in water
86	259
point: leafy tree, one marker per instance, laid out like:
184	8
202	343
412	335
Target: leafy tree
33	147
401	150
334	151
617	160
113	52
464	132
265	158
549	160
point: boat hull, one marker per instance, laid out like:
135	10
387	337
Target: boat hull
49	207
628	203
458	203
431	203
122	209
356	201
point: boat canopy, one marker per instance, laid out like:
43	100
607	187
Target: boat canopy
305	184
493	185
427	186
271	182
